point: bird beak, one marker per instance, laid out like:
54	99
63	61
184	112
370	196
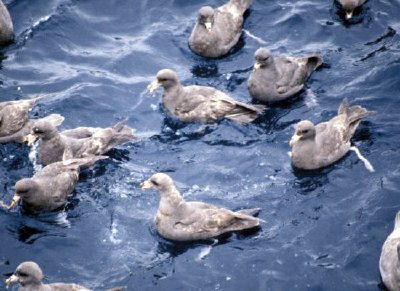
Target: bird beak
153	86
146	185
14	201
30	139
13	279
208	25
294	139
349	14
257	65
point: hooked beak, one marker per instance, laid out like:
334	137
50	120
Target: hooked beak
14	201
349	14
208	26
146	185
257	65
30	139
13	279
153	86
294	139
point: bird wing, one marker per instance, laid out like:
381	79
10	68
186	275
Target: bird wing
80	132
331	136
205	218
12	118
203	103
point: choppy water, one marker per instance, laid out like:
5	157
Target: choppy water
93	59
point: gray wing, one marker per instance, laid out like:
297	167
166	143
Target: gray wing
202	103
14	114
81	132
294	71
331	139
12	119
204	218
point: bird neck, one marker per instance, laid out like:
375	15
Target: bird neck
32	286
169	201
172	97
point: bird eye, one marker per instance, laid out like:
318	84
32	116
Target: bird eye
155	183
304	131
162	79
21	274
37	130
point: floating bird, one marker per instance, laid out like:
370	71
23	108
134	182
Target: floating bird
30	276
50	188
276	79
179	220
218	30
6	26
317	146
389	262
350	5
21	135
14	115
78	142
200	103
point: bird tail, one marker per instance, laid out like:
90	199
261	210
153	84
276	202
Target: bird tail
313	62
244	220
241	5
122	133
354	115
120	288
245	113
54	119
84	162
250	211
397	221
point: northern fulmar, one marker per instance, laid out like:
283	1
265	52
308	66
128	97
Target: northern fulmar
389	262
218	30
78	142
30	278
6	25
179	220
200	103
276	79
50	188
317	146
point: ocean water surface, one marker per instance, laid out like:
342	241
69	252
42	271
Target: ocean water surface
92	60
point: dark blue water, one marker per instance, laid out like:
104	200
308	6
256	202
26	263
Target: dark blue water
93	60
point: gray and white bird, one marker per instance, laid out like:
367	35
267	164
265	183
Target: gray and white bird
14	115
275	79
50	188
200	103
6	25
389	262
317	146
30	278
179	220
76	143
218	30
350	5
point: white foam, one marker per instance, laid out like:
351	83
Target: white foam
114	233
205	251
256	38
311	98
367	164
33	157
